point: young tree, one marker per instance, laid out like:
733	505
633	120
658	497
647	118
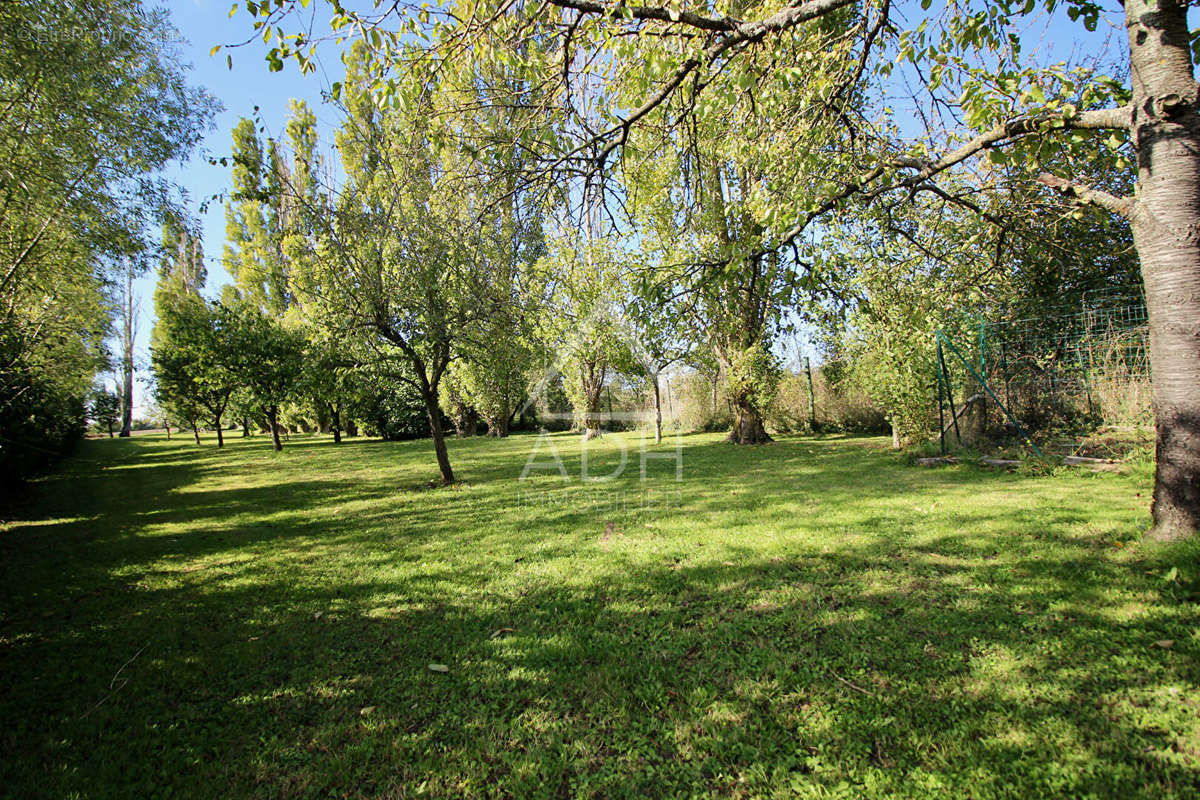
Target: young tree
396	267
271	360
104	408
327	377
658	339
582	334
198	357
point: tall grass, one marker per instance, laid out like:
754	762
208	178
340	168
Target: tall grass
1120	379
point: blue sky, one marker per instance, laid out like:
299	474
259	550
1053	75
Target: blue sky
205	23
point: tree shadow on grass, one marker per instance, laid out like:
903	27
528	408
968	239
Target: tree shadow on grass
739	680
289	656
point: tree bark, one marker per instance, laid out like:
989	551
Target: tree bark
812	397
220	434
747	424
498	427
336	415
433	410
657	410
128	331
895	437
245	427
273	421
1166	232
463	416
196	431
127	393
748	427
592	384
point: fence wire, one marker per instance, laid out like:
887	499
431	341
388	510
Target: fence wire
1081	367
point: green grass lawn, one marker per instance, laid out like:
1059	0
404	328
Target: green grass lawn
812	618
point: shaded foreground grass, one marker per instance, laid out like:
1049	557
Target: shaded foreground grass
809	618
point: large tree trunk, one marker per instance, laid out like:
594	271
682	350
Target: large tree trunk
433	410
273	421
498	427
466	422
1166	232
497	424
245	427
336	415
747	424
592	384
196	431
220	435
462	415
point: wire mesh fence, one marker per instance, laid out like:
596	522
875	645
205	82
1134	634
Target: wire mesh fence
1078	368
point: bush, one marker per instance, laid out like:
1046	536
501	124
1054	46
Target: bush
701	407
392	410
40	421
791	411
840	404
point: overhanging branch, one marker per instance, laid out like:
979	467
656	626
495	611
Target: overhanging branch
1086	195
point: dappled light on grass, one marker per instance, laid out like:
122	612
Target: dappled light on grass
805	616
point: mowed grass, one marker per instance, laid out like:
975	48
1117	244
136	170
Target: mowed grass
811	618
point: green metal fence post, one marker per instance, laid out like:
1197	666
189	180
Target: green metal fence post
941	415
991	394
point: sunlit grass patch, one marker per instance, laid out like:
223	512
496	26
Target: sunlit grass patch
809	618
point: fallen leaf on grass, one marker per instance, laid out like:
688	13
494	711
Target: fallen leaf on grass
366	711
1165	644
439	668
499	632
